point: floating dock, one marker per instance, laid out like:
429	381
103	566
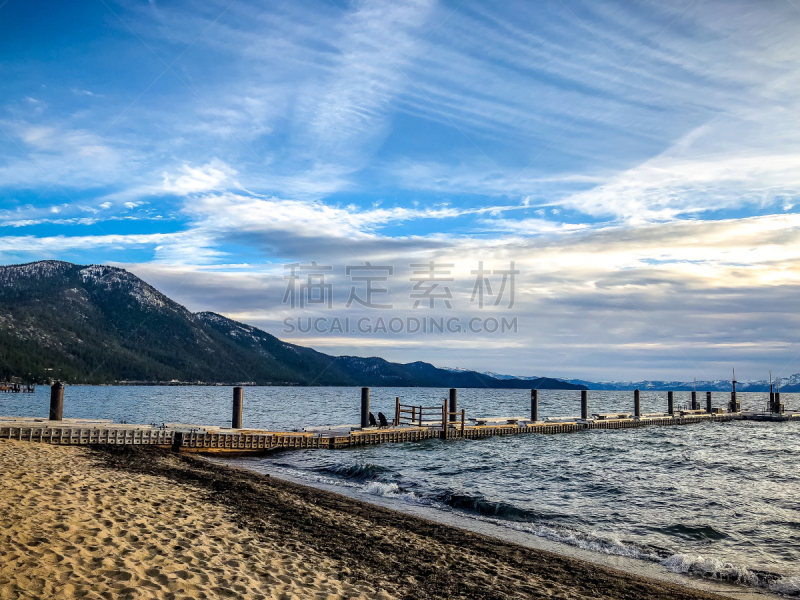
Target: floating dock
410	424
223	440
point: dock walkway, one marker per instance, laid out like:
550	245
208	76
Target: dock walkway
224	440
410	424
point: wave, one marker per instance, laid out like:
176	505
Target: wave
388	490
713	568
540	524
356	471
481	505
361	478
595	542
693	532
788	586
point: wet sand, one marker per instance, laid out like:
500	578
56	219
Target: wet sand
123	522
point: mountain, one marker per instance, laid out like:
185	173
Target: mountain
100	324
501	376
787	384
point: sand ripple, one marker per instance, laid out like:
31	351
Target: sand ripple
72	529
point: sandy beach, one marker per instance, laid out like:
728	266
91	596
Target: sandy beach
138	523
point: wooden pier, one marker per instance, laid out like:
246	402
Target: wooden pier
220	440
410	424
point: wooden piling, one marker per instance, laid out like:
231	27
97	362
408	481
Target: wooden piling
56	401
397	411
637	407
708	402
453	404
584	404
534	405
734	406
364	407
670	403
694	400
238	403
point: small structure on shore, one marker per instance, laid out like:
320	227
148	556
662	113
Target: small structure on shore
15	385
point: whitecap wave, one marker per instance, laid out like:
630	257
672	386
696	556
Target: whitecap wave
392	490
596	542
788	586
711	568
373	488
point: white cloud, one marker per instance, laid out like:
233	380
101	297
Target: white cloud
198	179
694	176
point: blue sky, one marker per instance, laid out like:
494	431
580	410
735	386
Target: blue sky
638	161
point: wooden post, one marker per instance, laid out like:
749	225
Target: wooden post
708	402
397	411
56	401
238	402
420	416
364	407
670	403
453	404
444	420
694	400
463	414
413	414
734	405
534	405
778	407
637	407
584	404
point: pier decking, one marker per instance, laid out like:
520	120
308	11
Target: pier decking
223	440
410	424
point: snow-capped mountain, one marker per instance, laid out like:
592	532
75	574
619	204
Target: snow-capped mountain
790	383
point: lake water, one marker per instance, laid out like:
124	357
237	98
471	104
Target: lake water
713	499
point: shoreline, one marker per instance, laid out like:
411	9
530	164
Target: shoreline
505	532
412	541
129	522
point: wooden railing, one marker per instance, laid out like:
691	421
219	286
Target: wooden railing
406	414
454	422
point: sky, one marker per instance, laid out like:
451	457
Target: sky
632	167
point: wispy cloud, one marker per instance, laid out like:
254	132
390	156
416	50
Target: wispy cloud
198	179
